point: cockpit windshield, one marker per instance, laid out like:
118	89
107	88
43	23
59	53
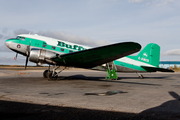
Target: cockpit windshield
20	38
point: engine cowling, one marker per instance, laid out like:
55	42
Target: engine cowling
41	56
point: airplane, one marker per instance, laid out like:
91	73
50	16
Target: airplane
111	58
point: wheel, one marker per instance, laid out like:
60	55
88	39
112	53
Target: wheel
52	77
45	73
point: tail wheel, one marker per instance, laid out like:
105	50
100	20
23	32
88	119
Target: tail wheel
52	77
141	76
45	73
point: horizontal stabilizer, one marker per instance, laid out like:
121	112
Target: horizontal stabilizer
97	56
154	69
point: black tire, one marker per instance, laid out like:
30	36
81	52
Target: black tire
51	77
45	73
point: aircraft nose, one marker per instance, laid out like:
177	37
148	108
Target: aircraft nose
7	43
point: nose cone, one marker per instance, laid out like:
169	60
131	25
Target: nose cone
7	43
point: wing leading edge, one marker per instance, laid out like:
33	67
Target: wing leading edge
97	56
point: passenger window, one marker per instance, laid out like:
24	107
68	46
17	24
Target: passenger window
62	49
44	44
53	47
70	51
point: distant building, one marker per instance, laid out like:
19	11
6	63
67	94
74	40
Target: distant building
167	64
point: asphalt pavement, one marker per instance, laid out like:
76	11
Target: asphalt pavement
86	94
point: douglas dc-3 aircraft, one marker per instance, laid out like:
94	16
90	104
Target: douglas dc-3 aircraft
112	58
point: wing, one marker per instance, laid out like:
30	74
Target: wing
97	56
154	69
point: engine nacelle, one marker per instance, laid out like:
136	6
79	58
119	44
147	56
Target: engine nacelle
41	56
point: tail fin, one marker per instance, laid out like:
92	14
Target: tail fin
150	54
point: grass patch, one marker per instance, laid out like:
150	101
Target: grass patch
175	68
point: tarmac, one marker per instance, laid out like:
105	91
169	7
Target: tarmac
86	94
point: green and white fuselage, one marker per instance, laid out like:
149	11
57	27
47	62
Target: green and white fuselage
43	50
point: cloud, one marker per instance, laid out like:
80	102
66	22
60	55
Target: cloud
21	31
3	48
4	34
4	30
163	2
175	52
1	36
73	38
54	34
9	59
135	1
153	2
64	36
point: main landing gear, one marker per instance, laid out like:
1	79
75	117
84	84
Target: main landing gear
52	75
111	71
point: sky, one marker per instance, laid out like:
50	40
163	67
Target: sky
93	23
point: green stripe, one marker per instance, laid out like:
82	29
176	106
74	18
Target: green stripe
39	44
128	65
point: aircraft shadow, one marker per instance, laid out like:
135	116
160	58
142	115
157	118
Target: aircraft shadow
166	109
102	79
9	110
143	78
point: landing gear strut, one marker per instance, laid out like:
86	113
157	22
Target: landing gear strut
52	75
111	71
140	76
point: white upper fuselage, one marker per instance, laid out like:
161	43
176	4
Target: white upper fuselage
56	46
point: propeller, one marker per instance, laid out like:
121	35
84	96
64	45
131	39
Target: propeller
26	61
28	53
16	56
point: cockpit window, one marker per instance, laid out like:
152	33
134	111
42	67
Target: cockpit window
20	38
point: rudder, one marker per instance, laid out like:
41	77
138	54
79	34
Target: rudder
150	54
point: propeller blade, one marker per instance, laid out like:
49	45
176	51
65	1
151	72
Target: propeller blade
26	62
28	53
16	56
28	49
